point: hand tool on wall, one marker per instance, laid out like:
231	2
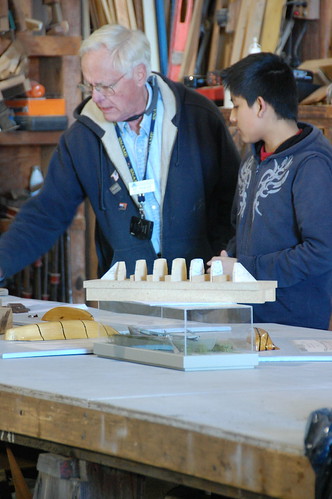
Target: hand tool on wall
57	25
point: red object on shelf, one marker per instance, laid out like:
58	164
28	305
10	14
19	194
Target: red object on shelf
37	89
215	93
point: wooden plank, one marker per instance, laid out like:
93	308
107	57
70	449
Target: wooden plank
92	428
150	27
273	17
180	31
111	9
49	46
190	53
106	10
121	10
215	37
232	16
138	7
131	14
325	28
194	292
240	31
254	24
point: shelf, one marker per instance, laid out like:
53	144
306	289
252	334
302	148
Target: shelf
49	46
21	138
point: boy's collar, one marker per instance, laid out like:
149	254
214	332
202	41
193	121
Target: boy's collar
304	130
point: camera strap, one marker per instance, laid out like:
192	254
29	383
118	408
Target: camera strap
139	187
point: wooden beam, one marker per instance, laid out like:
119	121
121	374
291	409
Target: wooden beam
254	24
274	15
240	31
49	46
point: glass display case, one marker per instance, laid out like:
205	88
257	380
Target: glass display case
182	336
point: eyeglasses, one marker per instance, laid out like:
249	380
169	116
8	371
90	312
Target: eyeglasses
105	90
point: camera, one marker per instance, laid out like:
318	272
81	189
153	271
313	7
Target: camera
141	228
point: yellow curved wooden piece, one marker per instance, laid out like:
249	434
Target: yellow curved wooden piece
59	330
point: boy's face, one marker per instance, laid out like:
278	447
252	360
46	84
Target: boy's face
247	120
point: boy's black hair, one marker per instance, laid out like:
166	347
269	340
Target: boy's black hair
266	75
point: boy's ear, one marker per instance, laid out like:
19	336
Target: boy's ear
262	106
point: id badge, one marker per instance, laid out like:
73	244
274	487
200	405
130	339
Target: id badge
142	186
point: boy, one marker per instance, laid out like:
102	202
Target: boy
282	206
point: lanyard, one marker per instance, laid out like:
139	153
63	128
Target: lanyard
141	197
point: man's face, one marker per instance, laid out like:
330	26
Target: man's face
116	94
246	119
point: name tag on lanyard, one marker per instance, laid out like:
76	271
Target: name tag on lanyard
142	186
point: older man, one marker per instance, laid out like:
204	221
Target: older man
154	158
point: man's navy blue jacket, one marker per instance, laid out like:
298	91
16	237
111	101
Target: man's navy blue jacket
199	189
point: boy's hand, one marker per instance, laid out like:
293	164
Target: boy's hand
227	262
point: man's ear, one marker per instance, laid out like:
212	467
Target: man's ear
262	106
140	74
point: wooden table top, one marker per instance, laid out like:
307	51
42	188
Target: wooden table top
234	428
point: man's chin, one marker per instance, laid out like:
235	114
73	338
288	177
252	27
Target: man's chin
109	115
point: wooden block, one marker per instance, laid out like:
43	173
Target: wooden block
6	319
190	292
216	269
196	269
217	272
122	271
179	270
220	278
159	269
117	272
200	278
240	274
140	270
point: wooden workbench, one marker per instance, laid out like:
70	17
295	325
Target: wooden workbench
221	431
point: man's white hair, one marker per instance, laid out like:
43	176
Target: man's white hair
128	48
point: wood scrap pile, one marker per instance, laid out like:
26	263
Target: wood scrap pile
196	37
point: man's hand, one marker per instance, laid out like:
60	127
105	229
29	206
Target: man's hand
227	262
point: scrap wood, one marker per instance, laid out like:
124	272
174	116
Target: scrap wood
21	489
131	14
321	69
215	37
232	15
122	15
190	53
254	24
274	15
240	31
319	95
138	7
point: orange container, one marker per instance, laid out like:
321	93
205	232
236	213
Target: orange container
37	107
